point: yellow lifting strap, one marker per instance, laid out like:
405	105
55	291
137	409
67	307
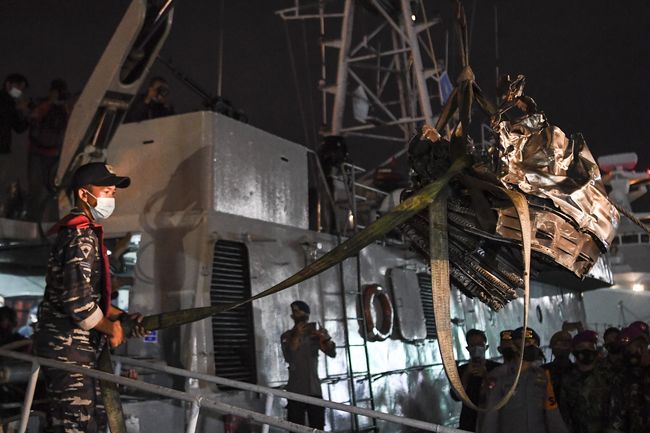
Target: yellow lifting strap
440	287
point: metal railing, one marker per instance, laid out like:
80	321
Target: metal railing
198	402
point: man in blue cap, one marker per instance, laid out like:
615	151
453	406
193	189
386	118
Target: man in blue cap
300	346
76	317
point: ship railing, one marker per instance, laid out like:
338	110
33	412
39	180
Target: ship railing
198	402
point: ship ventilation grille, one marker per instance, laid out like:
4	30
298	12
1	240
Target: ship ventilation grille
424	281
232	332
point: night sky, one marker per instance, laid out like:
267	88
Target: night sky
587	62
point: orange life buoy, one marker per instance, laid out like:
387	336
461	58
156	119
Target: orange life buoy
383	330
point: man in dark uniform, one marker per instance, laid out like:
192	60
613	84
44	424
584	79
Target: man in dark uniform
472	375
533	408
14	116
613	362
584	402
14	109
506	348
76	316
300	346
8	323
630	400
561	364
643	327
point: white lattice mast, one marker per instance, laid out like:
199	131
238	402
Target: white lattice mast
386	78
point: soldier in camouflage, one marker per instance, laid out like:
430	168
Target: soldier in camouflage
612	364
76	317
643	327
630	400
585	393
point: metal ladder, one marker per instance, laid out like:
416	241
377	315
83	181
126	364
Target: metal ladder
349	175
357	355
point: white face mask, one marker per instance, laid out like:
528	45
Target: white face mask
104	207
15	92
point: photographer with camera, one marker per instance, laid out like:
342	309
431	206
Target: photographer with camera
300	346
153	104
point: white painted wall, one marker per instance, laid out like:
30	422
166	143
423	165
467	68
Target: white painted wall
615	307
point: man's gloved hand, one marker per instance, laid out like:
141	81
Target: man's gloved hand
132	324
138	330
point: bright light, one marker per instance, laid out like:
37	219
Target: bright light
413	17
637	287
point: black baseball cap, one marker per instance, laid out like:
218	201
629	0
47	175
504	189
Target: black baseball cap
528	333
98	174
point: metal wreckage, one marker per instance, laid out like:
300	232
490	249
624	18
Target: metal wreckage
485	219
534	201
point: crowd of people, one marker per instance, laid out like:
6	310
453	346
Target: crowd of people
44	120
586	388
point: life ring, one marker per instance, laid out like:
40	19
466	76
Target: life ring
383	330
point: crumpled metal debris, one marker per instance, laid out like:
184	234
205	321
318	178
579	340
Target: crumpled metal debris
572	220
541	160
575	221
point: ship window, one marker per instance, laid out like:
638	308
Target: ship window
232	332
630	239
424	281
645	239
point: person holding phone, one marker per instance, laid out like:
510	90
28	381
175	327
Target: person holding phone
300	347
472	375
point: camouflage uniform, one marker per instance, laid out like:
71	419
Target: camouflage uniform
630	402
532	408
76	296
585	400
609	368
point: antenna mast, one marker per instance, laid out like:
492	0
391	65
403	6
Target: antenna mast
387	78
